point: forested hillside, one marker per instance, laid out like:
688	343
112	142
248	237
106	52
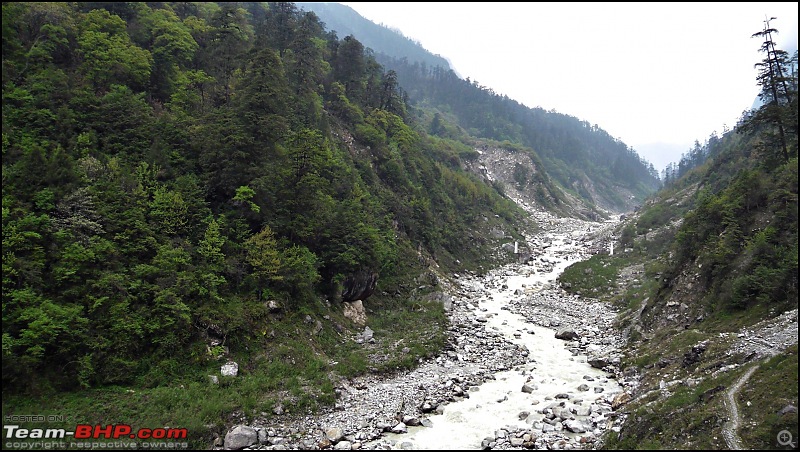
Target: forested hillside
581	157
344	21
706	281
174	173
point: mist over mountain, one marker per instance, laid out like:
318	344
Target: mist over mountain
346	21
583	159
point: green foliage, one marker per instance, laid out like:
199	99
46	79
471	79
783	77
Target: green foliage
108	53
745	238
653	218
592	277
520	175
170	168
568	149
760	403
244	195
263	256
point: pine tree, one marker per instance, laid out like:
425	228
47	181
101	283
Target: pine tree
778	82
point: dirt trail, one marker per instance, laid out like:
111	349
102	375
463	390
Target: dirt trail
731	428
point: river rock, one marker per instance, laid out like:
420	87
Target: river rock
575	426
620	399
599	363
240	437
334	434
427	407
566	334
343	445
582	410
411	421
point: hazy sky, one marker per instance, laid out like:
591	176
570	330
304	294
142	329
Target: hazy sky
658	76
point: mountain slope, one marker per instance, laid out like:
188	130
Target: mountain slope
707	285
240	185
345	21
583	159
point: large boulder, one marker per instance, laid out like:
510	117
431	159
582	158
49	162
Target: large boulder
334	434
599	363
694	356
355	312
566	334
359	286
229	369
575	426
240	437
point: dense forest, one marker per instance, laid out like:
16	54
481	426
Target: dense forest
168	168
382	40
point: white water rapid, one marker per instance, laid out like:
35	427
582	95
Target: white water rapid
502	380
551	371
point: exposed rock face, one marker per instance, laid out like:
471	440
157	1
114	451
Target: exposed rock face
359	286
523	181
355	312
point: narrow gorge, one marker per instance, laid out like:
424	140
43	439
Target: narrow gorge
526	365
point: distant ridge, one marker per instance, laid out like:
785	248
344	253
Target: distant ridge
383	40
582	159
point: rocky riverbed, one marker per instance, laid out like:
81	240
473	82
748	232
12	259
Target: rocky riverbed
526	366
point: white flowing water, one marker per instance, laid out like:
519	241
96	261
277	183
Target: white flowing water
551	369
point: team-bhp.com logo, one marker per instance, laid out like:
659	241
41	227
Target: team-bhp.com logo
87	431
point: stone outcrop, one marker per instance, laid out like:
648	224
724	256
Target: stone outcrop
355	312
240	437
359	286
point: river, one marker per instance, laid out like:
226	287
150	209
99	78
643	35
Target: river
503	381
551	370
